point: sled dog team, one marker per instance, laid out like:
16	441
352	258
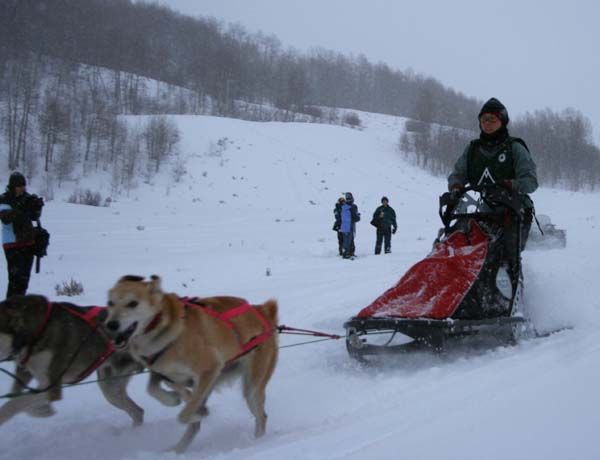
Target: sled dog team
189	345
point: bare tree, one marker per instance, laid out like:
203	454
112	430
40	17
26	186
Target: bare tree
161	136
22	86
53	122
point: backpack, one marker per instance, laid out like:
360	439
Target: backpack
41	237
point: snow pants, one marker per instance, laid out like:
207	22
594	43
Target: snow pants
384	235
348	238
19	262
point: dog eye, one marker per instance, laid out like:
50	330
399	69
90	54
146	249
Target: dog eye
132	304
111	303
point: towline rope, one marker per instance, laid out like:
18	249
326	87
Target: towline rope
283	329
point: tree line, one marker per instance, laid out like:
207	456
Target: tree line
70	68
224	62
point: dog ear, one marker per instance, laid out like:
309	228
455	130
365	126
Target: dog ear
155	284
134	278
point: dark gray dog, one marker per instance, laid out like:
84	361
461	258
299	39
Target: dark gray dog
58	343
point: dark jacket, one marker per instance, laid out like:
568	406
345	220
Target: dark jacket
17	215
384	218
337	214
507	161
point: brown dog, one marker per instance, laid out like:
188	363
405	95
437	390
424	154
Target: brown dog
195	344
56	343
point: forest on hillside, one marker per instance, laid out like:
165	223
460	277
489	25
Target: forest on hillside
222	61
69	70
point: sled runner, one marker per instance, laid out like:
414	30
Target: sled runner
470	283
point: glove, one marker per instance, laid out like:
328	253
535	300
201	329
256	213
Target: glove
336	227
394	230
456	190
455	194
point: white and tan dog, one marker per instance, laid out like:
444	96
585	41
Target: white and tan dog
194	344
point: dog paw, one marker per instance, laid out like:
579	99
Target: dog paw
203	411
138	421
167	398
171	398
186	418
176	449
43	411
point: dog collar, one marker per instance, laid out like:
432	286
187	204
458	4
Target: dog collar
150	360
152	324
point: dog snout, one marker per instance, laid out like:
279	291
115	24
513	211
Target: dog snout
112	326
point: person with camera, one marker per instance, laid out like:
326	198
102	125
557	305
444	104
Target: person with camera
18	211
384	220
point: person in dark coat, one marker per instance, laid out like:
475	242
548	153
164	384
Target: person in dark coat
18	211
337	213
384	219
498	158
349	215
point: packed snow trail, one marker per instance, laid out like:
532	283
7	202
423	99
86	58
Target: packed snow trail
253	208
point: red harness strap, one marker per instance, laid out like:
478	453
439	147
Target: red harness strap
226	316
90	318
152	324
39	331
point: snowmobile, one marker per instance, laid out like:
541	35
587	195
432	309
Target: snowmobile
545	235
470	284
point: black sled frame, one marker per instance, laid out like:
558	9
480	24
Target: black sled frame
424	332
435	333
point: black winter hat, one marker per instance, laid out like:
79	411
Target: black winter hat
496	107
16	179
384	198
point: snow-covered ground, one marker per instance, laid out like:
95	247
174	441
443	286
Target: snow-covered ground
264	203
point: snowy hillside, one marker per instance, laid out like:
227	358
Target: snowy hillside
258	197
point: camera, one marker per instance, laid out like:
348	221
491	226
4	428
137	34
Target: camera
35	203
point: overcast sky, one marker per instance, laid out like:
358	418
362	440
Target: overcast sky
531	54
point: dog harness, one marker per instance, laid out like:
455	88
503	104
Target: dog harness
225	317
90	317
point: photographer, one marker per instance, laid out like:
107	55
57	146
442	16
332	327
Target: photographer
18	211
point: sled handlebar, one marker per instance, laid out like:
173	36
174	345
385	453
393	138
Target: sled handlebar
493	195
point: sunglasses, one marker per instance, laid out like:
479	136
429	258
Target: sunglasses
489	118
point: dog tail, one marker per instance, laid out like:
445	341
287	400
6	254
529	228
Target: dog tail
269	309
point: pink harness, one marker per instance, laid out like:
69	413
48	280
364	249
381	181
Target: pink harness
90	317
226	317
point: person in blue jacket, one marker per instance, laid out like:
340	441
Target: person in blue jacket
348	217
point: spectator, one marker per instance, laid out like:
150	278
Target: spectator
18	210
337	213
384	219
349	215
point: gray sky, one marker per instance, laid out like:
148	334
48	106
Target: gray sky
531	54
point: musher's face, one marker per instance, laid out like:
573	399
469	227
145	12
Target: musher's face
20	190
489	123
